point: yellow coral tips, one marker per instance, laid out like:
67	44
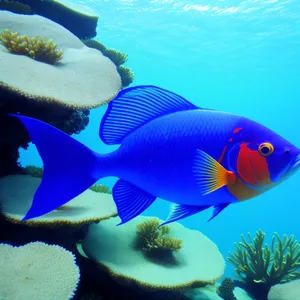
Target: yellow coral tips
35	47
156	240
210	174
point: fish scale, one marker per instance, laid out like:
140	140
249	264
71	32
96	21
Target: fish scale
173	154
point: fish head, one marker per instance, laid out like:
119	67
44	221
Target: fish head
261	158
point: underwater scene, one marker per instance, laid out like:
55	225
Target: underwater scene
149	150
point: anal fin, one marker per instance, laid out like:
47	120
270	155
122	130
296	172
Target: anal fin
182	211
217	209
130	200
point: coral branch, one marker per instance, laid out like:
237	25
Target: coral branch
36	47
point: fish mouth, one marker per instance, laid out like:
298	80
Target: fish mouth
295	166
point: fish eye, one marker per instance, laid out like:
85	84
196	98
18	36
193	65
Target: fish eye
265	149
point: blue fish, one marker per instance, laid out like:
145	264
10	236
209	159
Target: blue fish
194	157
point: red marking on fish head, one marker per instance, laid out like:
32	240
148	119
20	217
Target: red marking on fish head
237	130
224	151
252	167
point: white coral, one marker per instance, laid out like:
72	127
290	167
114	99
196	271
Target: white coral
16	196
84	78
285	291
37	271
199	262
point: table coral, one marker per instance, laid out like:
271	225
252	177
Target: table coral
59	94
84	79
259	266
37	271
38	173
113	248
80	19
17	192
286	291
15	6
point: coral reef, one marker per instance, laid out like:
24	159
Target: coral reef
100	188
36	47
126	74
198	263
15	7
225	290
117	57
37	271
156	241
57	94
286	291
210	292
86	208
34	171
14	135
81	20
259	266
84	79
57	82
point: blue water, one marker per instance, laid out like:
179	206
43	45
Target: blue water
236	56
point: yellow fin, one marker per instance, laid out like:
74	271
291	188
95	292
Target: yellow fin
210	174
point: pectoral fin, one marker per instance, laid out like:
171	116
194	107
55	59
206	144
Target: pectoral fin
210	174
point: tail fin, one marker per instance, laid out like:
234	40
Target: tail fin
68	167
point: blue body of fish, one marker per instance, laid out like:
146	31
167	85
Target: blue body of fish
169	148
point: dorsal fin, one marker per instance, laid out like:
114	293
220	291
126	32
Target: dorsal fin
136	106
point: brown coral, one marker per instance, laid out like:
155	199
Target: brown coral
126	75
15	6
80	19
225	290
117	57
100	188
34	171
